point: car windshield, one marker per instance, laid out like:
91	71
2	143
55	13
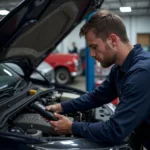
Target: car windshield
8	78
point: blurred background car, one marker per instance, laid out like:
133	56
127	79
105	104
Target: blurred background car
67	66
44	70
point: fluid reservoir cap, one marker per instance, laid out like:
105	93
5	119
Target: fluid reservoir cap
31	131
32	92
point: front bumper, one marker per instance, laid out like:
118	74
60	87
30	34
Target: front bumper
76	73
78	68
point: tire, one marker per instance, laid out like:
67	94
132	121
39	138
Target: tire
72	79
62	76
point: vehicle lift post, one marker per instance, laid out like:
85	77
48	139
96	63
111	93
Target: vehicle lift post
89	71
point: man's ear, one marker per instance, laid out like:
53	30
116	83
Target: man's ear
114	39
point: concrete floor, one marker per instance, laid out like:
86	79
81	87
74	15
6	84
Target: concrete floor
79	83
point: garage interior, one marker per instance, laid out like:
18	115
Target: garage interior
137	22
136	19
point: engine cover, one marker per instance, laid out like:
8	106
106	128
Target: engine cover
34	121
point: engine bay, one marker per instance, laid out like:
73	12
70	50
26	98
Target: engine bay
31	122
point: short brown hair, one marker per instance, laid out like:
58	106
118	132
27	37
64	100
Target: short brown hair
104	23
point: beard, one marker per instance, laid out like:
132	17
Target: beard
110	58
108	63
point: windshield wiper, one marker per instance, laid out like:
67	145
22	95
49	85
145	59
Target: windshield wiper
18	84
6	92
9	91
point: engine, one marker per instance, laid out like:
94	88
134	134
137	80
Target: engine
30	120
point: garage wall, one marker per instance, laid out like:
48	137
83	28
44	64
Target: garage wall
73	37
134	25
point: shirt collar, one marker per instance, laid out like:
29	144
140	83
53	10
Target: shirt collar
129	59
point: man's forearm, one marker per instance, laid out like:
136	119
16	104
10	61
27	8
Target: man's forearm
79	104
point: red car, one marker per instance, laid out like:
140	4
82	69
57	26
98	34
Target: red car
66	66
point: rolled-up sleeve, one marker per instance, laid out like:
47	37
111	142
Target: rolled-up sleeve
133	108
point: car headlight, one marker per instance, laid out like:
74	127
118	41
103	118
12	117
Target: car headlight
76	62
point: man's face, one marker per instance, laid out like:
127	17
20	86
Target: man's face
103	52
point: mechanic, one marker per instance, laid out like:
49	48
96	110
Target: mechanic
129	79
74	50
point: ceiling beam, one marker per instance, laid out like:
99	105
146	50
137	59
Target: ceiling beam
10	1
121	3
148	6
8	7
116	1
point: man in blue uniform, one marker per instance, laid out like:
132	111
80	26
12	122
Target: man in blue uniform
129	79
74	50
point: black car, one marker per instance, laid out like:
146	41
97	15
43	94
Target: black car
27	35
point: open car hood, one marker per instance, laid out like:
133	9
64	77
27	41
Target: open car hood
35	27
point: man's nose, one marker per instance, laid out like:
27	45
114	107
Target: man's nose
92	53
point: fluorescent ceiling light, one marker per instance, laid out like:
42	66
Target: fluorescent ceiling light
4	12
125	9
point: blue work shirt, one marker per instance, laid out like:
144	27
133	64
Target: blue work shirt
131	83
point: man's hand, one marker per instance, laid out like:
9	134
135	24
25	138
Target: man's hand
63	125
55	108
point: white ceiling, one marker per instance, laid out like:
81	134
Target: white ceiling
139	7
9	4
